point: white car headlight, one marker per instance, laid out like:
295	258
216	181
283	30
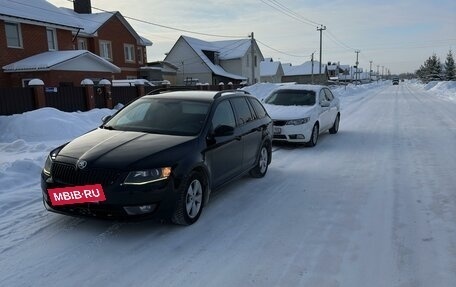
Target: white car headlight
298	121
141	177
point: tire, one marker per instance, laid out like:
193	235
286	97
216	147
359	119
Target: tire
261	166
314	137
335	128
191	200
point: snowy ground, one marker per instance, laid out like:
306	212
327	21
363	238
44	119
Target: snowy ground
374	205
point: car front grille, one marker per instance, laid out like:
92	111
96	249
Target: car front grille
279	123
69	174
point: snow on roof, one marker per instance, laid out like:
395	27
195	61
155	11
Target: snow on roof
41	11
230	49
52	59
37	10
89	22
268	68
303	69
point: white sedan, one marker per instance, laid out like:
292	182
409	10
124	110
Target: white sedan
301	112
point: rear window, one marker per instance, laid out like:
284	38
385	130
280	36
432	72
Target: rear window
291	98
258	107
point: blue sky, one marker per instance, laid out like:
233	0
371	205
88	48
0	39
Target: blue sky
399	35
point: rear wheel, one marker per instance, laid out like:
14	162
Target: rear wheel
261	167
335	128
190	202
314	137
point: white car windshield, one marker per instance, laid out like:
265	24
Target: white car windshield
291	98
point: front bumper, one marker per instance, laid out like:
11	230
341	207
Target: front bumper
156	199
293	133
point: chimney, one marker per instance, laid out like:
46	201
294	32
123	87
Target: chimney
82	6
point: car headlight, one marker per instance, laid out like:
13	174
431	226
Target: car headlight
140	177
48	166
298	121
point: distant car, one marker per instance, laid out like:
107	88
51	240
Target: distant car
301	112
395	81
160	155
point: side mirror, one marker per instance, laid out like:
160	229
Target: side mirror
325	104
105	119
223	131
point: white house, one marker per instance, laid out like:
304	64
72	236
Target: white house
271	71
306	73
214	62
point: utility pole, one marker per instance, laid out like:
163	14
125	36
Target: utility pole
312	78
370	71
382	71
321	29
378	73
252	45
357	63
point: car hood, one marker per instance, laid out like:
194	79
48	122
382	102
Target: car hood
118	149
288	112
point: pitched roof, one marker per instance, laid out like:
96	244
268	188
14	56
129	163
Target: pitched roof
269	68
71	60
227	50
303	69
41	11
37	11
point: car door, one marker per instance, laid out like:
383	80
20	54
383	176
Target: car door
333	108
224	152
251	133
324	112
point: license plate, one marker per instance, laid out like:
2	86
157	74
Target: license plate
277	131
76	194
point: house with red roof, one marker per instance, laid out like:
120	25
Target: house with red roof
64	46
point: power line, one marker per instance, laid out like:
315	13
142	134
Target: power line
293	12
285	12
281	52
165	26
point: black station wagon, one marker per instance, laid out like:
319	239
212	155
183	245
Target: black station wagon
161	155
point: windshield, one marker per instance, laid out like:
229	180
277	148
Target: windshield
162	116
291	98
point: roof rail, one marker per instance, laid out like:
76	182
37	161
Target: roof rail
219	94
170	89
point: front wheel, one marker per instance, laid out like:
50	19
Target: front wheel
314	137
335	128
261	166
190	203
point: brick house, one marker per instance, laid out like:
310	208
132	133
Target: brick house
39	37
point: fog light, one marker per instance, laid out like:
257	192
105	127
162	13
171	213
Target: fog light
301	137
137	210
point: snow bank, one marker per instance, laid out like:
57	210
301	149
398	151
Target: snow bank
49	124
446	89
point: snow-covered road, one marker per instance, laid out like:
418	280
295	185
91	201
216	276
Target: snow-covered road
374	205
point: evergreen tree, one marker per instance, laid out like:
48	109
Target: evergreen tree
450	71
434	68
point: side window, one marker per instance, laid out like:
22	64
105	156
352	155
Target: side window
223	115
329	95
243	113
322	96
258	107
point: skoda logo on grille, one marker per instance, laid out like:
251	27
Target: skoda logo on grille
81	164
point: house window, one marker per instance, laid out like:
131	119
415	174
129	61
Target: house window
256	61
248	61
129	51
106	50
52	39
82	44
140	55
13	35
